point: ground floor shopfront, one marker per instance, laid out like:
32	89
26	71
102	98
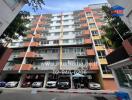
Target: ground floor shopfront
25	79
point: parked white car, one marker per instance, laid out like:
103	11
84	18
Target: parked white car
51	84
37	84
94	86
11	84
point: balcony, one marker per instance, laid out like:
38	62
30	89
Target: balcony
37	29
35	36
82	13
83	19
84	25
87	9
29	55
80	54
103	61
100	48
93	66
87	41
45	66
33	44
93	29
24	67
90	52
96	37
73	67
86	32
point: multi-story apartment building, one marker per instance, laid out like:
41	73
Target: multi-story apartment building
63	42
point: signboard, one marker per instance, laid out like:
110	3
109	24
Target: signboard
117	11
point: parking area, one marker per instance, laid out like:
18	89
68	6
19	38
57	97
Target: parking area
30	79
50	80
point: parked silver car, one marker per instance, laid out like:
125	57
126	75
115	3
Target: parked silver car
37	84
94	86
11	84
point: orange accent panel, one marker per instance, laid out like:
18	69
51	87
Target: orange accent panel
84	25
24	67
93	66
29	54
87	41
90	52
86	32
36	36
109	84
83	19
32	44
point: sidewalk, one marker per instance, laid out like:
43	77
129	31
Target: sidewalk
83	91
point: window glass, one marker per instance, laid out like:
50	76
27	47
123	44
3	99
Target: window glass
106	69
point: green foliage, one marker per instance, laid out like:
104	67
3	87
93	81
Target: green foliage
36	4
18	26
114	23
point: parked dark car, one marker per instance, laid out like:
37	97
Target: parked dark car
2	83
63	85
26	84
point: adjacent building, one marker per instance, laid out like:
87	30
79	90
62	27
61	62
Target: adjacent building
127	5
121	63
63	43
8	11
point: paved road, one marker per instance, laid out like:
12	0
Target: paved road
32	95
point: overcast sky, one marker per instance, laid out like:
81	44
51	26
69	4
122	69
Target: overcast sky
57	6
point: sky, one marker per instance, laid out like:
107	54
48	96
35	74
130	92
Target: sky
57	6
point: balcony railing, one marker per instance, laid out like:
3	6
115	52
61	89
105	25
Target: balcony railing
45	66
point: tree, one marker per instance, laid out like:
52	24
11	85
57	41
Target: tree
17	27
36	4
115	29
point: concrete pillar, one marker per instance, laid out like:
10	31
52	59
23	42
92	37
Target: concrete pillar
21	80
45	79
71	78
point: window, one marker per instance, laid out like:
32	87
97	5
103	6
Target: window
94	33
106	69
65	21
58	21
66	41
57	33
57	27
92	25
66	15
56	41
88	13
78	41
45	42
59	16
98	42
54	50
66	26
101	54
90	19
12	3
65	33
